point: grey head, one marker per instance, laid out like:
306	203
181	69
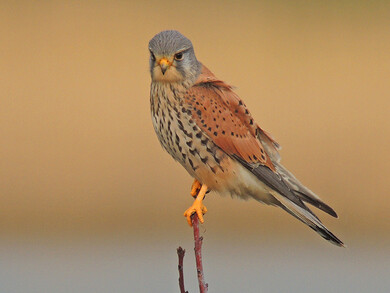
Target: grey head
172	58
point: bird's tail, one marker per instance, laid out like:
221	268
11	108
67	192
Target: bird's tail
308	218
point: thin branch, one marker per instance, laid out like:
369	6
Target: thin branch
180	254
203	287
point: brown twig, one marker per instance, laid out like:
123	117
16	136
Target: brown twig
180	254
203	287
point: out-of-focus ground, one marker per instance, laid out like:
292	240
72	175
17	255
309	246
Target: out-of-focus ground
87	196
229	266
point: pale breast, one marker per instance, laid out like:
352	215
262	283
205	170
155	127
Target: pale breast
183	139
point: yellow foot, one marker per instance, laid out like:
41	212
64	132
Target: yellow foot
198	208
196	186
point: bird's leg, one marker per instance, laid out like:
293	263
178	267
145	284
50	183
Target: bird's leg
197	207
195	188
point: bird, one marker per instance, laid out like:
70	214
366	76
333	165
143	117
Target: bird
205	126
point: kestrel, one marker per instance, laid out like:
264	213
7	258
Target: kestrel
202	123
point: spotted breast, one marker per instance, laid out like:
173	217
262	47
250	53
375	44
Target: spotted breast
174	120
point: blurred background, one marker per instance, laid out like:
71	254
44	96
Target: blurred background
89	201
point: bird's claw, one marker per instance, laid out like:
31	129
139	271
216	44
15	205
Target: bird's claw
198	208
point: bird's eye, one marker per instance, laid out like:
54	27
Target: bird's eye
179	56
152	56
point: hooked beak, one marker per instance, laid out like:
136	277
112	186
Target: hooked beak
164	64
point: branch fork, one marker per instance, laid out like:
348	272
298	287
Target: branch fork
203	286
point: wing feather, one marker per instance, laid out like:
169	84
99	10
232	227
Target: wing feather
222	115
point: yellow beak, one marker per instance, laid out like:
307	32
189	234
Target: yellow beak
164	64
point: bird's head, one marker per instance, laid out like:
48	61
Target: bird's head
172	58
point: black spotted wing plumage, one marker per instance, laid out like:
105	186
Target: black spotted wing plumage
225	119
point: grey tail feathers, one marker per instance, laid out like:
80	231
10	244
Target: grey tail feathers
313	222
291	201
316	203
302	191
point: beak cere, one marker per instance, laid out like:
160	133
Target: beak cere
164	64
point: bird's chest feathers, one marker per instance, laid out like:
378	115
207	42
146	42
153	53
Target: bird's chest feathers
179	134
169	122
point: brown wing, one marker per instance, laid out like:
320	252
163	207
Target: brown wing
222	115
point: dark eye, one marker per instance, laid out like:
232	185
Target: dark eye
152	56
179	56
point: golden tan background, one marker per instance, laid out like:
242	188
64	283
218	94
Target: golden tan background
78	153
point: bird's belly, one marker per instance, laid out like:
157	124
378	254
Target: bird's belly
237	181
196	152
207	163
